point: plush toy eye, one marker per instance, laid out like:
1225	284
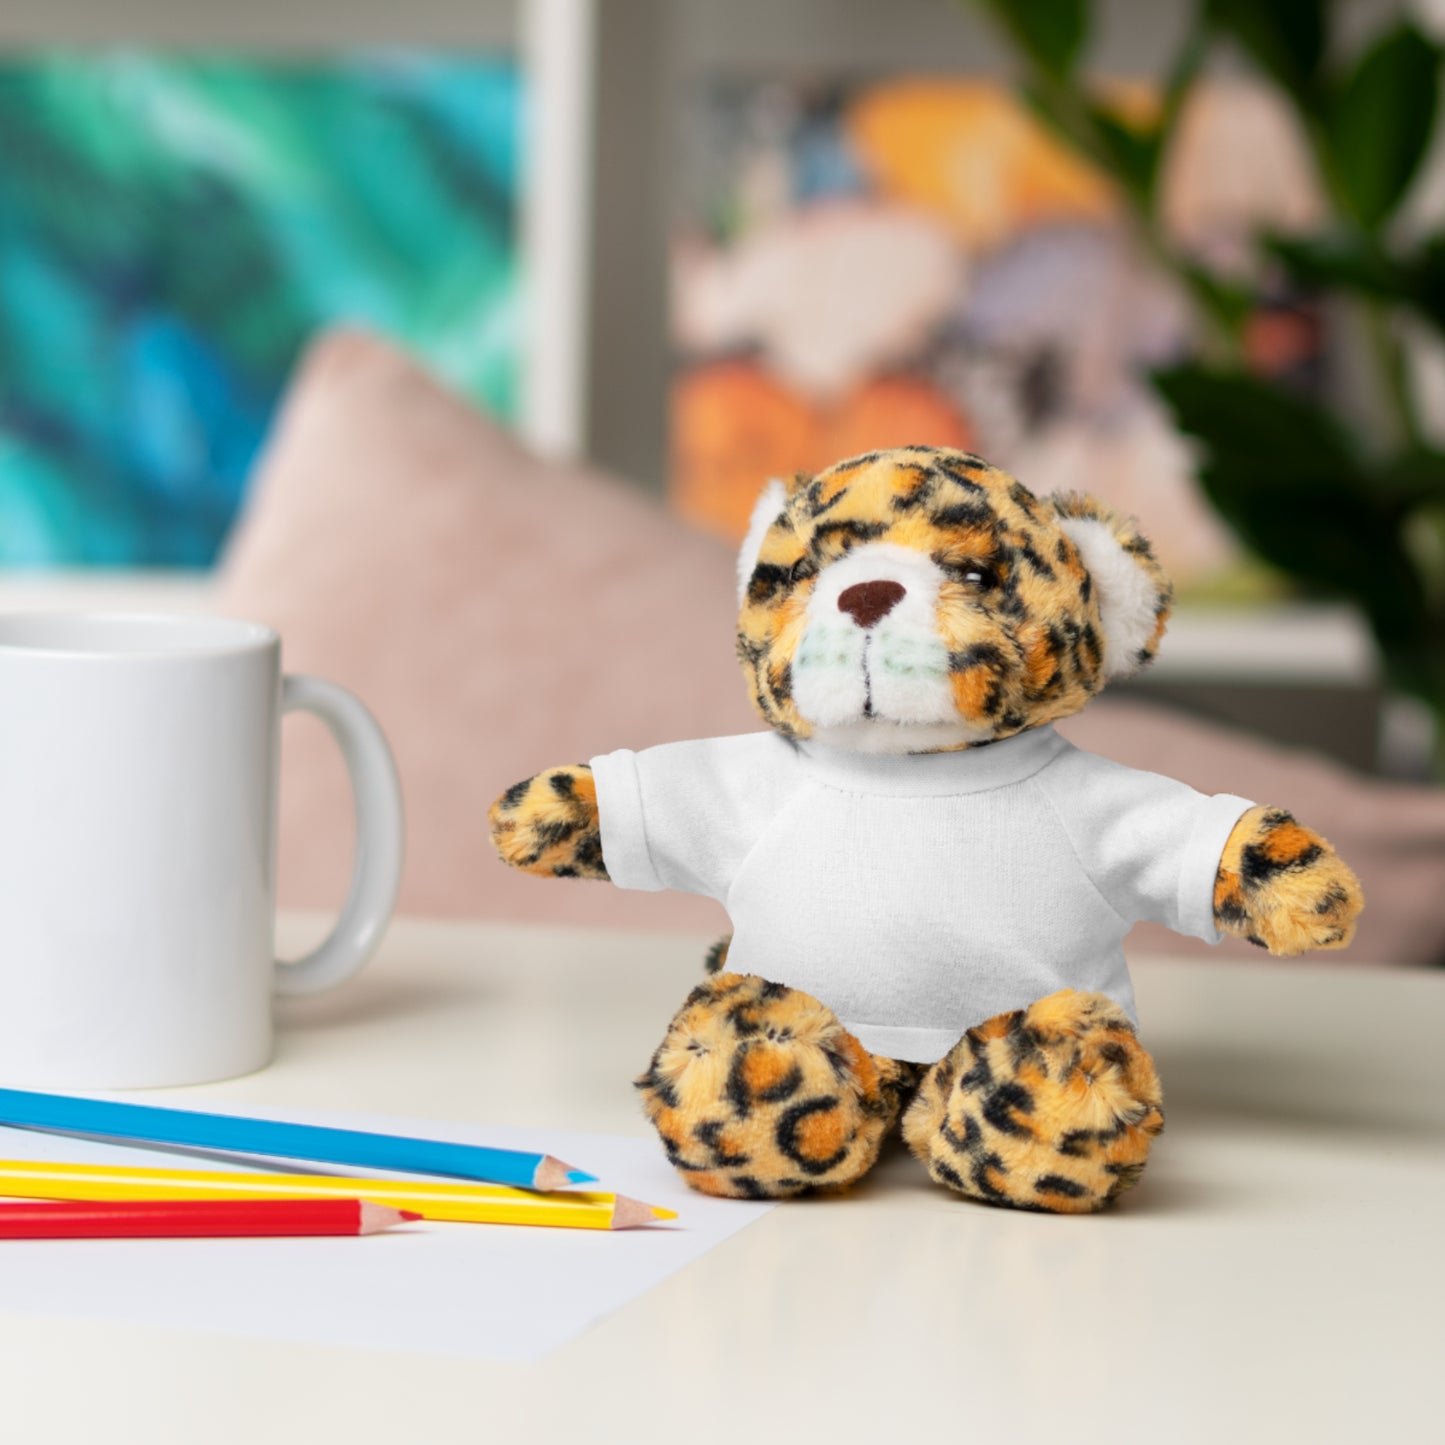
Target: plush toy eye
978	575
798	570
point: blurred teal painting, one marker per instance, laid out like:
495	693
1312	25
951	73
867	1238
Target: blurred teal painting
174	228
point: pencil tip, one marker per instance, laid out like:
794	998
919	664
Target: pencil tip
376	1217
629	1213
554	1174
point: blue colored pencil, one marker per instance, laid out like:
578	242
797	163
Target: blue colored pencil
227	1133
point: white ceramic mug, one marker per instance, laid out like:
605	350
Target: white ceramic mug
138	783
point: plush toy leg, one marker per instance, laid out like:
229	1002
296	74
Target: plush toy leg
759	1092
1052	1107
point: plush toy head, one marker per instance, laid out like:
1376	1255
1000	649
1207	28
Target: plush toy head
920	600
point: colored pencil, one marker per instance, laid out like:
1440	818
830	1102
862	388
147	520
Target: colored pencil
232	1134
461	1203
195	1218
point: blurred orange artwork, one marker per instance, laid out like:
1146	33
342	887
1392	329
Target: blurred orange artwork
972	155
734	427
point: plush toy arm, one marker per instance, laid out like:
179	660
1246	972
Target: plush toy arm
1283	887
549	825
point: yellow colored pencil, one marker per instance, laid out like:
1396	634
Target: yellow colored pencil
462	1203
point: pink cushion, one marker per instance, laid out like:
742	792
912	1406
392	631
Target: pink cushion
499	614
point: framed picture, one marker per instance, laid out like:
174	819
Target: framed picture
175	225
873	262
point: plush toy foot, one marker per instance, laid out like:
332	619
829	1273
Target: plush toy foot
759	1092
1052	1107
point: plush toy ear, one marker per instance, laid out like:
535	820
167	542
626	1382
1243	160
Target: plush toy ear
1133	593
769	505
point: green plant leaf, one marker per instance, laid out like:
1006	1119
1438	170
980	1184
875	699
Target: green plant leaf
1378	122
1289	480
1427	290
1415	478
1255	426
1132	156
1285	38
1342	260
1050	32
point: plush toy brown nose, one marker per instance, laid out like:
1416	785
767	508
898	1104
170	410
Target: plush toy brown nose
866	602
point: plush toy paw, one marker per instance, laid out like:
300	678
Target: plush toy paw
549	825
1051	1108
1282	886
758	1092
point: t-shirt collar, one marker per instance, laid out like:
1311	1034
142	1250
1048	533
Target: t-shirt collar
970	770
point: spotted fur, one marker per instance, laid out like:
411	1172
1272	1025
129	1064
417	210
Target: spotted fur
1282	886
1024	645
1049	1108
758	1092
548	824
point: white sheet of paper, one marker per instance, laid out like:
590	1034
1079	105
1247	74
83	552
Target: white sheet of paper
496	1292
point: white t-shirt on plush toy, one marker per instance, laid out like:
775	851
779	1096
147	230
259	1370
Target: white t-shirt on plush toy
918	895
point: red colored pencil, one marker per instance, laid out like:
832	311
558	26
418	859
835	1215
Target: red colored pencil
176	1219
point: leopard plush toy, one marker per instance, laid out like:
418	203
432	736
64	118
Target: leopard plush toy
929	886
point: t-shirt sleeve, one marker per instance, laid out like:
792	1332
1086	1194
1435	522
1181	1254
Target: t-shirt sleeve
1150	844
685	815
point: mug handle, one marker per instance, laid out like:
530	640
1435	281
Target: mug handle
377	875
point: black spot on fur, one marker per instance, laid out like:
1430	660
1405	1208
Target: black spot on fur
785	1088
1256	867
516	793
737	1091
716	955
743	1018
767	581
1057	1184
968	515
851	532
978	1177
788	1136
1231	910
1077	1143
708	1134
659	1086
948	1175
750	1188
959	469
564	785
1000	1105
981	654
1040	564
701	993
977	1077
1024	500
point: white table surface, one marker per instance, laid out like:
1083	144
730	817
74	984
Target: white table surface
1278	1276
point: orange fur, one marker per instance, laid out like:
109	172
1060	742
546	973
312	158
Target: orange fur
1282	886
